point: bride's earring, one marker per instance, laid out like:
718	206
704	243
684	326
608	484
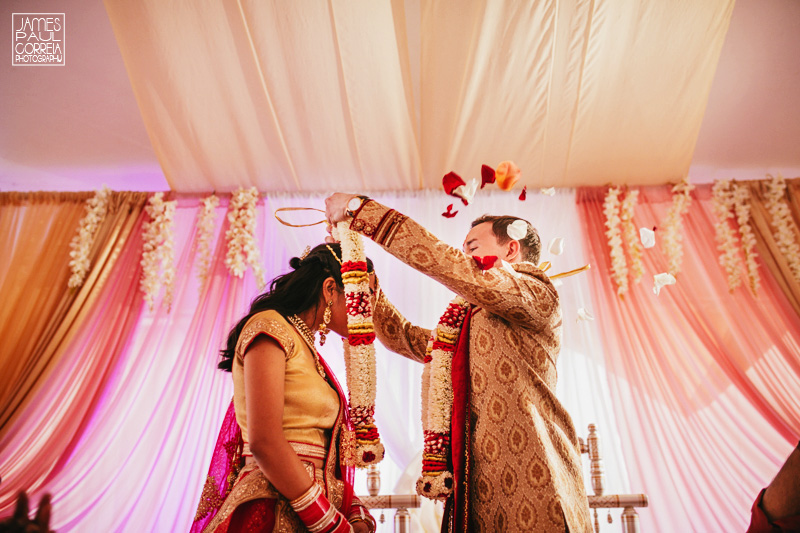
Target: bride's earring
323	328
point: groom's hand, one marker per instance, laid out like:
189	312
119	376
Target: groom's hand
336	207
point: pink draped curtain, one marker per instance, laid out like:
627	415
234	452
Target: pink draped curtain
695	391
706	384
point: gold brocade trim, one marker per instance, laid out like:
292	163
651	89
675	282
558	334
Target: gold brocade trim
308	450
268	326
209	498
253	485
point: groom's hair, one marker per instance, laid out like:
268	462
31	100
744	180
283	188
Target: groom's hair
530	244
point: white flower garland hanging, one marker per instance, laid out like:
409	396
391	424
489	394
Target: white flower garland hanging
436	481
681	200
741	201
619	266
631	234
158	255
782	223
727	242
240	237
81	245
205	234
359	348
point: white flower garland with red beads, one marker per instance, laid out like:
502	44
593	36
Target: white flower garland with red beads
436	481
359	348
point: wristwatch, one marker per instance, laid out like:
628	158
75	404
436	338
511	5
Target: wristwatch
355	204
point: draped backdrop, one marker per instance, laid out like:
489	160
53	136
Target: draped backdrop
390	95
114	409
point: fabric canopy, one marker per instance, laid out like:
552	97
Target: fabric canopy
391	95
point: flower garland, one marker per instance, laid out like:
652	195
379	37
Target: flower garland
359	348
158	256
741	199
782	223
681	200
631	234
723	207
205	233
436	481
619	266
96	209
242	247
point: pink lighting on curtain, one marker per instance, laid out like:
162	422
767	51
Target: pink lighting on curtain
706	383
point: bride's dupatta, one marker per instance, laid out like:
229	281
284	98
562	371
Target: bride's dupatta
225	464
227	460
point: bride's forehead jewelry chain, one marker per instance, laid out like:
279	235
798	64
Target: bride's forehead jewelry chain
308	335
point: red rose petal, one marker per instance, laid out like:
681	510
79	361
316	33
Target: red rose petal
450	181
485	263
487	175
524	193
449	213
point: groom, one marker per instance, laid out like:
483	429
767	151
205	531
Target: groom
520	454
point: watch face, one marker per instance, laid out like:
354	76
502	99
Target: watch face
354	203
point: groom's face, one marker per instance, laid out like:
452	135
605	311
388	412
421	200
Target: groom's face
481	241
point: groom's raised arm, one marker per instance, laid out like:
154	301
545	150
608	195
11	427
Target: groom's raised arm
396	333
528	299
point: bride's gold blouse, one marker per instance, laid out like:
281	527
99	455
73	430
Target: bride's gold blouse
311	405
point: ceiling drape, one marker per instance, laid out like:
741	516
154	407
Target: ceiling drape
389	95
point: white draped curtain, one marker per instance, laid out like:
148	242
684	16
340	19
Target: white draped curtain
392	94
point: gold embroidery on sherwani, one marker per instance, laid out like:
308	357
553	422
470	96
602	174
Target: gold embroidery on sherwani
525	471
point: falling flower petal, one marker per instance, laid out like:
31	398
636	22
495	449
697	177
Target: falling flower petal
557	282
466	192
449	213
556	246
524	193
648	237
450	181
584	315
507	174
659	280
510	269
549	191
487	175
517	229
485	263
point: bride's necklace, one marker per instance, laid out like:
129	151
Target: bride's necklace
306	333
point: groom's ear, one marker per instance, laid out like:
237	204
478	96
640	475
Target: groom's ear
513	249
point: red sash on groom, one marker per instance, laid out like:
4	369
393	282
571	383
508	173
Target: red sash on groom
456	513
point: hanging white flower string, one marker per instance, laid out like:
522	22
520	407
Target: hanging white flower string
782	223
240	237
681	200
359	347
727	243
741	200
158	256
631	237
205	234
619	266
81	245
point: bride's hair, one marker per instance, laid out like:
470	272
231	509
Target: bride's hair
292	293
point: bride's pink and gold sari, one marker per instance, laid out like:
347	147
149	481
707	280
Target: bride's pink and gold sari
236	495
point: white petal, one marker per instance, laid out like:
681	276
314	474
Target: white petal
660	280
556	246
557	282
467	192
648	237
510	269
517	229
584	315
549	191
